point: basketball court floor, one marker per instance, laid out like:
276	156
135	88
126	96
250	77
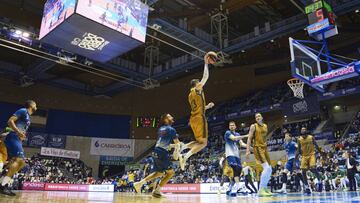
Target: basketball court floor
98	197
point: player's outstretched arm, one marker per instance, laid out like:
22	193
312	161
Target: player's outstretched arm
242	144
237	138
205	75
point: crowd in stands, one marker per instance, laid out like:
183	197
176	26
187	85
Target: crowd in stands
332	168
276	141
54	170
273	95
203	167
294	128
355	126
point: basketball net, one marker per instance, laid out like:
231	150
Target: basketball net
296	86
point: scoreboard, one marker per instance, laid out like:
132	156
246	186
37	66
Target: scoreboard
320	17
147	122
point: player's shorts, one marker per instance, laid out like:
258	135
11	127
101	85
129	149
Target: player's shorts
235	164
290	164
162	160
14	145
199	126
261	155
308	162
3	152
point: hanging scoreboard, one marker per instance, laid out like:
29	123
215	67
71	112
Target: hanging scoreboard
320	17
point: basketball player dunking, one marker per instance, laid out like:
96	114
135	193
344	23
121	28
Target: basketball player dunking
198	120
258	133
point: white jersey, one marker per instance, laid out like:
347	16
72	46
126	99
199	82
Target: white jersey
246	170
231	147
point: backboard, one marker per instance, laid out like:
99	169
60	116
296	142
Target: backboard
305	65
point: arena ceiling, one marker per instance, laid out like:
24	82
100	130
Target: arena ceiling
285	18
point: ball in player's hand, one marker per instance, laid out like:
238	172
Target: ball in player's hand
211	57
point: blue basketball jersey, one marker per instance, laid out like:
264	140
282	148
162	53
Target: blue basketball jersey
231	147
23	119
166	134
290	148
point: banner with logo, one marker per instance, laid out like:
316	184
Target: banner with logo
101	188
181	188
213	188
37	139
112	147
112	165
67	187
56	141
46	151
309	105
33	186
115	160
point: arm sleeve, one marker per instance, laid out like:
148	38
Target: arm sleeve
205	74
227	135
20	113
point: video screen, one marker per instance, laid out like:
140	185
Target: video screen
55	12
126	16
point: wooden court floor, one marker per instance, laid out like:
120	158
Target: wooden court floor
99	197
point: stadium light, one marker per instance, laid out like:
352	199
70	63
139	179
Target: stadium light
18	32
26	34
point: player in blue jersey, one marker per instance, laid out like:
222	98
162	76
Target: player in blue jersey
19	123
162	163
233	154
291	148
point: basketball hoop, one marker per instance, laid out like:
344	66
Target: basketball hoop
296	86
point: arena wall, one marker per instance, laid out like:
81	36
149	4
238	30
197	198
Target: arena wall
83	144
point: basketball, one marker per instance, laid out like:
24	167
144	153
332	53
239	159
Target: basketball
211	57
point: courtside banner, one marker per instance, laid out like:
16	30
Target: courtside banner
213	188
46	151
33	186
181	188
66	187
101	188
112	147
